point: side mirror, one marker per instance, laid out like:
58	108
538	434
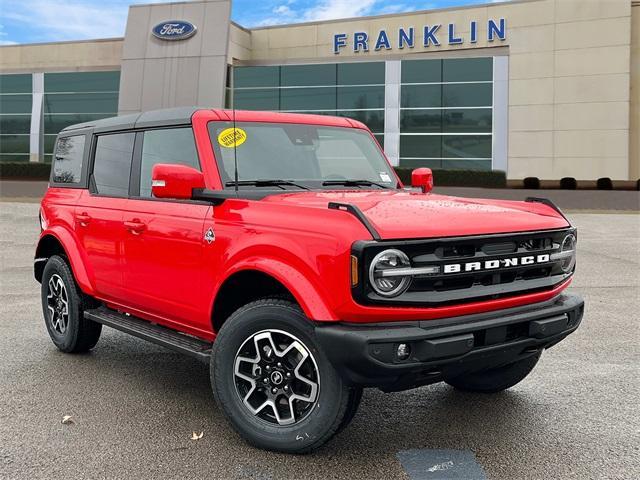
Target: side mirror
422	178
175	181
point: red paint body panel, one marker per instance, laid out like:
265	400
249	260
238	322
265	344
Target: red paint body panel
162	264
148	257
408	214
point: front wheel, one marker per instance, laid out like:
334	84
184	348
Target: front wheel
495	379
274	384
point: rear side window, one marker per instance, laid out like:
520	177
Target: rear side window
176	146
67	163
112	164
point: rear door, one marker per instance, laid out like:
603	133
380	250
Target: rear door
99	211
164	238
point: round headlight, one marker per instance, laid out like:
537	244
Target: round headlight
568	248
385	273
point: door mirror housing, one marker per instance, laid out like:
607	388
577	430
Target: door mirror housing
422	178
175	181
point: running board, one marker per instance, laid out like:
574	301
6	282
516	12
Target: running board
157	334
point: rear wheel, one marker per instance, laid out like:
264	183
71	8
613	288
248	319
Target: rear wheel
63	307
495	379
274	384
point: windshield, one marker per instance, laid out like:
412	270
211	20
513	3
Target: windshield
291	156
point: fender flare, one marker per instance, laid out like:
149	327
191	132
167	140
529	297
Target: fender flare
314	306
70	246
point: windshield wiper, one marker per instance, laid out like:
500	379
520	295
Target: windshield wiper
266	183
354	183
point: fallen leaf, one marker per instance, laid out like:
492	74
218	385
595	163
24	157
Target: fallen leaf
196	436
67	420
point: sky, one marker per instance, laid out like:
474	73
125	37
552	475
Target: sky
32	21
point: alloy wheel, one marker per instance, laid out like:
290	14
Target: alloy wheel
58	305
276	377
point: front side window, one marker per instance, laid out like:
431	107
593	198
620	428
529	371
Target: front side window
67	164
314	156
112	164
175	145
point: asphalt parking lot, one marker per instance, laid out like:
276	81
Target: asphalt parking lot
135	405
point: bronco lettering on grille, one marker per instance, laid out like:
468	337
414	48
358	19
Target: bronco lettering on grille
494	264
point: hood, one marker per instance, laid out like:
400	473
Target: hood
403	214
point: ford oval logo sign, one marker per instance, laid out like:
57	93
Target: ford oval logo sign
174	30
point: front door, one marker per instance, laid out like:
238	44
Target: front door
164	239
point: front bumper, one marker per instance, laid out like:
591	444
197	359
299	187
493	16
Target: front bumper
366	354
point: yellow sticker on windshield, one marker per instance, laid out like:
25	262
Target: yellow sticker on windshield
232	137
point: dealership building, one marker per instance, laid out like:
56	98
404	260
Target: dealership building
544	88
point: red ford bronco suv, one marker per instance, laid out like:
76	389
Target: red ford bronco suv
283	250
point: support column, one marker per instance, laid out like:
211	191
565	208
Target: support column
500	113
36	135
392	110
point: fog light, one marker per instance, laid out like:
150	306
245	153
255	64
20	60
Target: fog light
403	352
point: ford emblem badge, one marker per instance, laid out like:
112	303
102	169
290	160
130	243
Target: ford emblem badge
174	30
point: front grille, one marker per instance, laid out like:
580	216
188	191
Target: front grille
454	287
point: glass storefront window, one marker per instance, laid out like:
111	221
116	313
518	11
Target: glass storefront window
467	95
77	97
256	77
307	75
257	99
16	83
446	105
467	164
421	121
447	164
421	162
446	117
320	98
466	146
14	144
81	103
361	73
467	69
374	119
15	157
446	146
82	82
467	120
15	116
15	124
422	71
419	96
360	97
421	146
354	90
49	142
15	103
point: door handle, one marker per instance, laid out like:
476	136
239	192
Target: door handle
135	226
83	219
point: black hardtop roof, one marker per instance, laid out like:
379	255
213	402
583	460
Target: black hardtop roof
152	118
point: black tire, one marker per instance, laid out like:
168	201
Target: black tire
77	334
495	379
281	321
